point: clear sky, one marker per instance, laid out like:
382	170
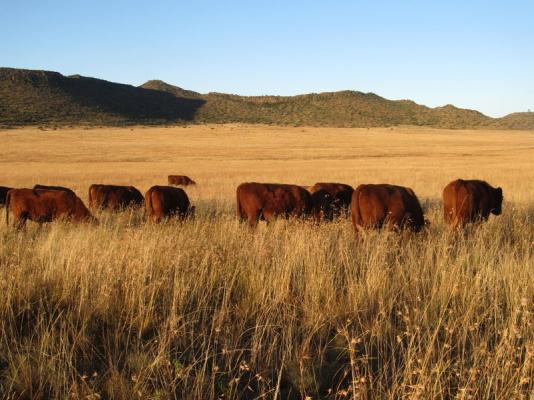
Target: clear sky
470	53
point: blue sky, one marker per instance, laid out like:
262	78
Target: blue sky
474	54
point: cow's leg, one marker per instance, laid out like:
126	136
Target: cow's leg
253	218
253	221
448	214
241	214
20	220
268	216
390	222
458	222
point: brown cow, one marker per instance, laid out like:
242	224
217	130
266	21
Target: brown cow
266	201
470	201
397	207
114	197
180	180
3	194
341	192
165	201
46	187
45	206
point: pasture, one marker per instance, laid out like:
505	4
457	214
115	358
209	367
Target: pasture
210	309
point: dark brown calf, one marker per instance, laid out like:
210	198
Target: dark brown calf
340	192
114	197
180	180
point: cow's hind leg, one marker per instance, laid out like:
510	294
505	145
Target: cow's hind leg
253	218
20	220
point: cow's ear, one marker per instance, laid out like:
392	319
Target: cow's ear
499	192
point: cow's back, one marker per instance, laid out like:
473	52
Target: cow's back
57	188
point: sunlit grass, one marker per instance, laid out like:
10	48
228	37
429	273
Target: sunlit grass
209	307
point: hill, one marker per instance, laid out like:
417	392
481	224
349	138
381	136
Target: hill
37	97
174	90
42	97
345	109
519	120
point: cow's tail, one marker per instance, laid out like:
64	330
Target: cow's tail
463	206
148	203
8	197
91	199
239	209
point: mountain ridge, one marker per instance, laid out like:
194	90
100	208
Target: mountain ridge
30	97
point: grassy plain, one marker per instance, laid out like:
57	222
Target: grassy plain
207	308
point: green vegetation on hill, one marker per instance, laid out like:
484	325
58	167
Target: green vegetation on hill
41	97
37	97
345	109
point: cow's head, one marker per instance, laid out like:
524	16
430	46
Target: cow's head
497	201
323	205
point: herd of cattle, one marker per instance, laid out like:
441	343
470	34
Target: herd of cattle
370	205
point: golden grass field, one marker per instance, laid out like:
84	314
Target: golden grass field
209	309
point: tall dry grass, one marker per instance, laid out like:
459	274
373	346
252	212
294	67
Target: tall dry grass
210	309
